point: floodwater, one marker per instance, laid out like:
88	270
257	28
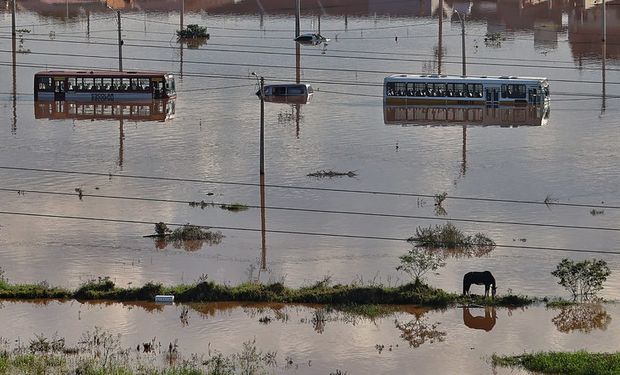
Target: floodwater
414	339
211	136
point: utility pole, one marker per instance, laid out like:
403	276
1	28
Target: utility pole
120	43
88	23
262	126
297	16
604	22
319	21
263	224
13	33
440	44
463	42
182	11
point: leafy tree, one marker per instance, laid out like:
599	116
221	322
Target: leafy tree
582	279
417	262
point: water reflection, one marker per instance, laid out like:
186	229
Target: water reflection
582	318
419	115
419	330
157	110
486	322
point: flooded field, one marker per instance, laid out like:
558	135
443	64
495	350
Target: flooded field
81	186
317	341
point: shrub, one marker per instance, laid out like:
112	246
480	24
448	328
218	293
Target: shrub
417	262
582	279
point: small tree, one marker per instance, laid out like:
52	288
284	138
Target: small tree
583	279
417	262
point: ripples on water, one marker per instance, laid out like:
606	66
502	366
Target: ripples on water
214	136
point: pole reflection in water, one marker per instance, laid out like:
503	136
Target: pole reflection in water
603	68
14	68
263	227
464	161
121	150
486	322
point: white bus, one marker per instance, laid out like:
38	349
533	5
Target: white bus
410	89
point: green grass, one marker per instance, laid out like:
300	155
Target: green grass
209	291
574	363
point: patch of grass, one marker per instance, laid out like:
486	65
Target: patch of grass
347	298
574	363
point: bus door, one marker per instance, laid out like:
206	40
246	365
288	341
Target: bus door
158	88
492	95
533	96
59	88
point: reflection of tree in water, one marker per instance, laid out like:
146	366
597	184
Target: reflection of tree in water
418	331
583	318
476	251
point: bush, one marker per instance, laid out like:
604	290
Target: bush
583	279
416	263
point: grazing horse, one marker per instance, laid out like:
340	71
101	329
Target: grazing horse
479	278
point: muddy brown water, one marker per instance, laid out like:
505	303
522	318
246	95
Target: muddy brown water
413	340
213	136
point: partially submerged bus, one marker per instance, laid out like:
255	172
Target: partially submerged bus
102	85
435	89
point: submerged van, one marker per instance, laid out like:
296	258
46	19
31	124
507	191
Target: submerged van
287	93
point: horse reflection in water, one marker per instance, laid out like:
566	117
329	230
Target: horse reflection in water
486	322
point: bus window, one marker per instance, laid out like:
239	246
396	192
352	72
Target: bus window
478	90
459	90
72	81
125	83
45	84
410	89
144	83
107	84
420	89
390	89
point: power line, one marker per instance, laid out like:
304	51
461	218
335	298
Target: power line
382	59
370	192
290	232
310	210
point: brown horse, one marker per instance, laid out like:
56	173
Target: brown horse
479	278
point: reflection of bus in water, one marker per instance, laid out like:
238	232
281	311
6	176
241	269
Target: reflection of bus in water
154	110
102	86
410	89
503	116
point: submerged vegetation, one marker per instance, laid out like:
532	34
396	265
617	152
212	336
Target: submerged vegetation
233	207
100	352
331	174
451	240
189	237
574	363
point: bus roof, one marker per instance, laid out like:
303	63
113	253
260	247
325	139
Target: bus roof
405	77
100	73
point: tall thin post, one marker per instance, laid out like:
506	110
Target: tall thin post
297	63
120	43
88	23
182	12
463	44
603	68
604	22
440	44
13	32
319	22
121	137
297	17
262	126
14	67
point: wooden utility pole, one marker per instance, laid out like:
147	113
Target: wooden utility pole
297	17
13	32
463	44
263	224
604	22
182	12
88	23
120	43
440	43
262	126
